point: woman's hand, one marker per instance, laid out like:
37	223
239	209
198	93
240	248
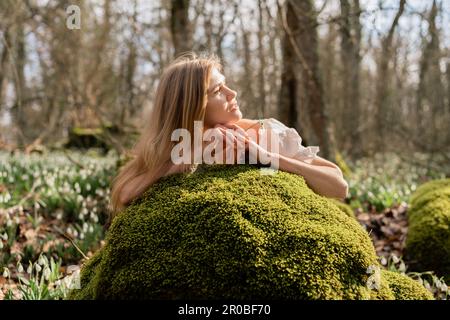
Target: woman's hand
238	137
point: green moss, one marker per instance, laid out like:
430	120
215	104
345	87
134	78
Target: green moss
230	232
425	188
344	207
428	239
404	287
87	278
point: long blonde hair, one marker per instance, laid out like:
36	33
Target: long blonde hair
181	99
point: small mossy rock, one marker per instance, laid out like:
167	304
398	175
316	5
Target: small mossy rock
344	207
428	238
427	187
404	287
228	232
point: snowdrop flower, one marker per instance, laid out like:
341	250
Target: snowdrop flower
42	260
47	272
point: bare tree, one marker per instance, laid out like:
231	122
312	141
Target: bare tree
430	105
382	95
300	59
180	26
350	30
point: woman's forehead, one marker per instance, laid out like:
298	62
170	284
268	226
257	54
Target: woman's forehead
216	79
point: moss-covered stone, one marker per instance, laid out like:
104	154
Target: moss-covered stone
404	287
428	239
230	232
426	188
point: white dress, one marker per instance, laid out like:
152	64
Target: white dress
290	142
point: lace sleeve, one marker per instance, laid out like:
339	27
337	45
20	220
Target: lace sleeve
290	142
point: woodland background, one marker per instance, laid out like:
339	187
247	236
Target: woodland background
357	77
366	81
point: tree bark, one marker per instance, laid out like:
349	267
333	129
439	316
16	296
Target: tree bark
381	98
180	26
262	61
351	60
300	51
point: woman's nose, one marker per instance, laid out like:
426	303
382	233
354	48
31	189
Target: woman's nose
231	93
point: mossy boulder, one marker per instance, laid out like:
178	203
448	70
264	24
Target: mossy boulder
228	232
428	239
397	286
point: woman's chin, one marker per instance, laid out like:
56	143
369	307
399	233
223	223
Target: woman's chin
236	114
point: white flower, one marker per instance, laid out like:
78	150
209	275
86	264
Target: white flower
395	259
6	272
42	259
47	273
38	267
20	268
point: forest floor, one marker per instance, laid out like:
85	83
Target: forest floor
387	229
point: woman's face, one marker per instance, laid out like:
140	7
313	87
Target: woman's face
222	106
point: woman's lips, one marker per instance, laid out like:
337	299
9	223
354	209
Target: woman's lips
234	107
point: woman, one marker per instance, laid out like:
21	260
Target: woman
194	89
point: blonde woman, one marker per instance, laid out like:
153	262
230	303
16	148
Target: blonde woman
194	89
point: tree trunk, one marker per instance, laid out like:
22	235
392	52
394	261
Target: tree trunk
300	53
382	95
289	82
19	84
180	26
351	60
262	62
3	64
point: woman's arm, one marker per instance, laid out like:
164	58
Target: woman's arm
323	179
323	176
318	161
